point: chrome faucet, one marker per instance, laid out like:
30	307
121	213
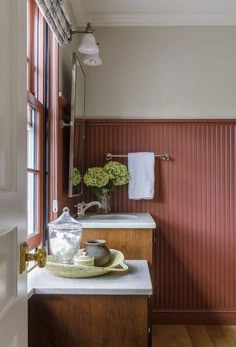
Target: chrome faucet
82	207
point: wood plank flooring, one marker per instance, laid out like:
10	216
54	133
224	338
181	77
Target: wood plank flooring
194	336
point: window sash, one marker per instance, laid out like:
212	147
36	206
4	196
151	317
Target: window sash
32	138
35	220
35	50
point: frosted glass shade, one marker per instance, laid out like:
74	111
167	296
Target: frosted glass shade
92	60
88	44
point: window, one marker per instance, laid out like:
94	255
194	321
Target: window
35	123
42	124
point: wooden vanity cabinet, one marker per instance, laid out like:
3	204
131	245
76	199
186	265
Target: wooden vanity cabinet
133	243
96	320
89	321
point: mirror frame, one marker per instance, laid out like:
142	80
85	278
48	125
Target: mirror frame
76	191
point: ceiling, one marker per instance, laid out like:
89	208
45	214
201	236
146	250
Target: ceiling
154	12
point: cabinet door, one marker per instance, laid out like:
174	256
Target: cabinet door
133	243
91	321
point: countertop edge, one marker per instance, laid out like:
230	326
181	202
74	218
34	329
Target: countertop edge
58	291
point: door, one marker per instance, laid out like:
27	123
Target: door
13	194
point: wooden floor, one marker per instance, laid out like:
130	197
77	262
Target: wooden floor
194	335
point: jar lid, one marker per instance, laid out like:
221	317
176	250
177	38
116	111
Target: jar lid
83	256
83	259
65	220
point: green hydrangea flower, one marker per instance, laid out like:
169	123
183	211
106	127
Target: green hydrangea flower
118	173
96	177
76	177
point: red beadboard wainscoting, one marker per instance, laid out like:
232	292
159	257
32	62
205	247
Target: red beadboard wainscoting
194	208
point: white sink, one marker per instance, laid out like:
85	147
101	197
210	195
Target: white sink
113	216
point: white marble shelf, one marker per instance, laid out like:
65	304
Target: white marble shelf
118	221
136	281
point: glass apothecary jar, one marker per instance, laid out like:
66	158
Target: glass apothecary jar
65	235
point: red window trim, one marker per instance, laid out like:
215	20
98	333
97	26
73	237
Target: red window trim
35	98
54	129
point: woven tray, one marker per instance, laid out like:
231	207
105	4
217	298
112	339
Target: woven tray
116	263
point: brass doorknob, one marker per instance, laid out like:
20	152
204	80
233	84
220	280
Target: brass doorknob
40	257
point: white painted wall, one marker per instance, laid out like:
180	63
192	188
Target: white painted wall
164	72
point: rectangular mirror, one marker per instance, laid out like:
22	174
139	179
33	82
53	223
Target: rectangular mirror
76	156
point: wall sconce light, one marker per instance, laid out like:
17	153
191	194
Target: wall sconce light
89	46
92	60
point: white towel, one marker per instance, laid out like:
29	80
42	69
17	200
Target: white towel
141	167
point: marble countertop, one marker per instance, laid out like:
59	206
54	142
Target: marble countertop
135	281
118	221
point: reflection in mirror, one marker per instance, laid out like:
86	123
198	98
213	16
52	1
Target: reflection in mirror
76	156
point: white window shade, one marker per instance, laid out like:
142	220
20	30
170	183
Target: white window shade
54	11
